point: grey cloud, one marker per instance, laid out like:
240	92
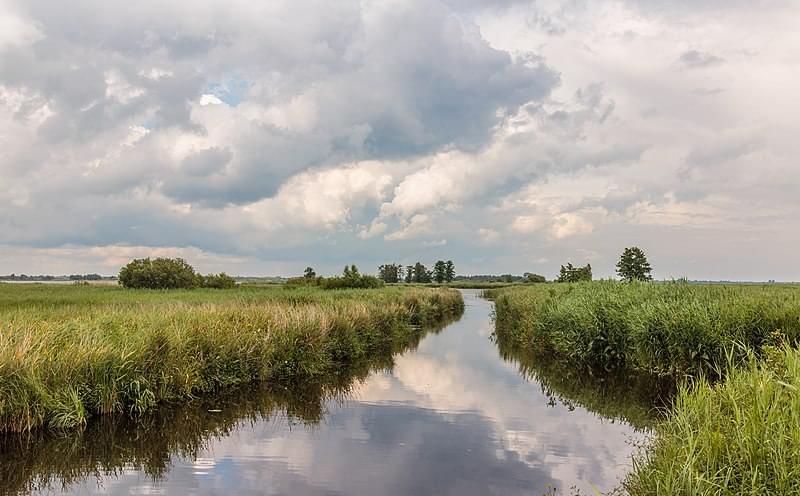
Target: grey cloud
206	161
380	90
696	59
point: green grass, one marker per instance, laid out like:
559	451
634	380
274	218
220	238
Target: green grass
68	353
665	329
45	460
739	436
734	424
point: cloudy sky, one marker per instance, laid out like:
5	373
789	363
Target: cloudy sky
510	136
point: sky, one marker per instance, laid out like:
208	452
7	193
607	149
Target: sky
509	136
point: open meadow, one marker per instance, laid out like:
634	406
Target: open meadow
68	353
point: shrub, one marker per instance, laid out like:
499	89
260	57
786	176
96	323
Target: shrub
304	282
362	282
219	281
159	273
351	278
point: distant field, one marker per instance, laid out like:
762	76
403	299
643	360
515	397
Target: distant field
70	352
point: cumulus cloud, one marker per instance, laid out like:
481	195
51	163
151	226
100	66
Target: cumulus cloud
377	129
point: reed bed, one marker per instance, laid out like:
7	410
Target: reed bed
666	329
739	436
734	424
69	353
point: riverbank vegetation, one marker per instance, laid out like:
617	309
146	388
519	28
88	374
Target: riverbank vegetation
70	353
734	425
666	329
739	436
45	460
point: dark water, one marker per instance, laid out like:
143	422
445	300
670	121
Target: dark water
450	417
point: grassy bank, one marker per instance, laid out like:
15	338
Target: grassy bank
734	425
666	329
69	353
739	436
45	460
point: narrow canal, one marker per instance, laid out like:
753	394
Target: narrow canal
451	417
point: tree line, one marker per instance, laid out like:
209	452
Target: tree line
169	273
442	272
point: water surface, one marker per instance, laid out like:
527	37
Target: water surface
452	417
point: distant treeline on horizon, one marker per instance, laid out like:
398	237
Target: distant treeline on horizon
278	279
71	277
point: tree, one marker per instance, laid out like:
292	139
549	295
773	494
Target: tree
633	265
409	274
309	273
159	273
390	273
439	271
569	273
450	271
533	278
420	273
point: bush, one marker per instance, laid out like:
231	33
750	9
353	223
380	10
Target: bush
303	282
351	278
362	282
159	273
219	281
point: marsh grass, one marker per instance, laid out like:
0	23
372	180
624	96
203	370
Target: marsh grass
738	436
68	353
46	460
665	329
734	424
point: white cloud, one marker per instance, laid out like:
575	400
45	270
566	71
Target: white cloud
416	226
560	124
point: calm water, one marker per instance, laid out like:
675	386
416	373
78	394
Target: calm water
451	417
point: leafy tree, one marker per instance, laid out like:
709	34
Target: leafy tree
507	278
309	273
439	271
219	281
159	273
450	271
409	274
390	273
633	265
421	274
533	278
569	273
